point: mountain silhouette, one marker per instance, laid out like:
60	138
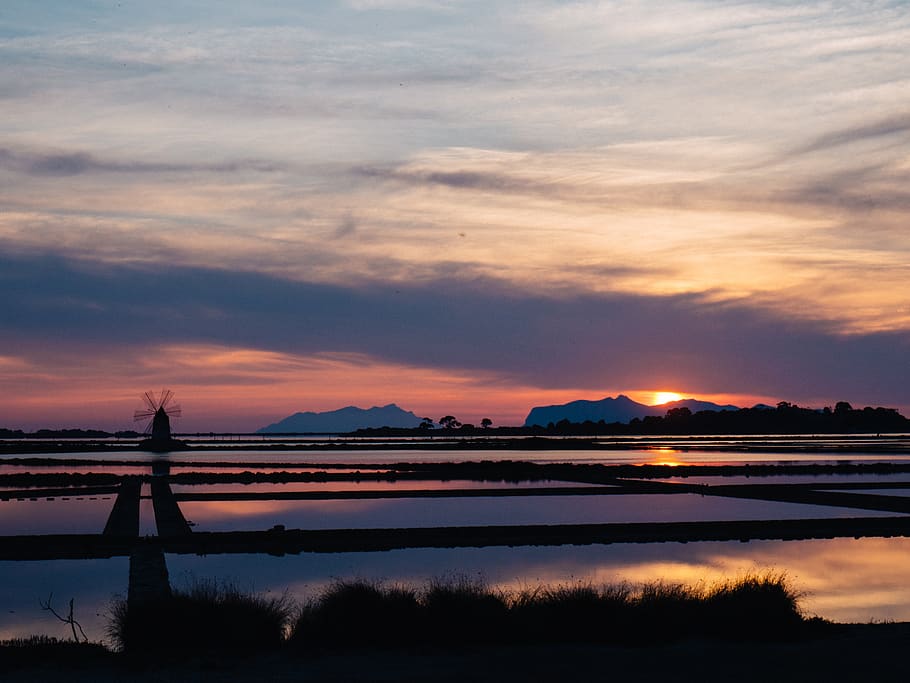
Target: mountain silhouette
343	420
619	409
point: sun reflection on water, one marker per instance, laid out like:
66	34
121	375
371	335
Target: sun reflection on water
665	456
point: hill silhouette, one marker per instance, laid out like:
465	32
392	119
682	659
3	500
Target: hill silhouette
785	418
619	409
343	420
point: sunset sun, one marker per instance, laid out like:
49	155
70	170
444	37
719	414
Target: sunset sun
661	397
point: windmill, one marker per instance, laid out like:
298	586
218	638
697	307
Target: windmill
158	411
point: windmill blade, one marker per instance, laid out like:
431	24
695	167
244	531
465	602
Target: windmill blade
155	403
149	399
144	416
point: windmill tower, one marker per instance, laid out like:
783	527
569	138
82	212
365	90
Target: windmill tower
158	411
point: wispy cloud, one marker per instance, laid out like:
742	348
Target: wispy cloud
38	163
610	172
896	126
587	339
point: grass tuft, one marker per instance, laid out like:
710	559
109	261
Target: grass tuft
577	612
753	606
39	648
358	612
459	610
462	610
208	616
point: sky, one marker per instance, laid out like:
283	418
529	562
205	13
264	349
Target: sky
465	208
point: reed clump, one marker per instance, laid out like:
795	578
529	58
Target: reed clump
359	612
42	649
462	610
753	606
208	616
218	617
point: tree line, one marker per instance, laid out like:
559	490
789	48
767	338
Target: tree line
785	418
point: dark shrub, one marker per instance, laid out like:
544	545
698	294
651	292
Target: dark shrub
37	649
755	606
571	613
359	613
664	611
206	617
463	610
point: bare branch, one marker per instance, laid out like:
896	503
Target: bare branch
47	607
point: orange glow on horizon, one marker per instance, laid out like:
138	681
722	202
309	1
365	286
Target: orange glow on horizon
661	397
238	389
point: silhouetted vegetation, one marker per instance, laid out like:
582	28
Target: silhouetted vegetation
360	612
42	649
449	422
55	434
786	418
208	616
462	610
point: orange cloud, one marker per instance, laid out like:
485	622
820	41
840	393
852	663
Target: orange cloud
241	389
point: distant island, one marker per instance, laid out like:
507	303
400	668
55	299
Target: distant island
683	417
344	420
609	410
785	418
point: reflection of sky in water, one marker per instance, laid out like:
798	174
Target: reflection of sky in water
425	512
845	579
678	453
820	479
408	485
90	583
147	526
880	492
77	515
293	467
74	469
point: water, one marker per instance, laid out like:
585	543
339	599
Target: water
844	579
628	452
60	515
91	584
378	514
848	580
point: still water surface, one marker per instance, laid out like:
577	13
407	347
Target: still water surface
844	579
88	514
377	514
669	455
851	580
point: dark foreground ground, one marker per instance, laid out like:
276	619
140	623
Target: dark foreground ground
869	652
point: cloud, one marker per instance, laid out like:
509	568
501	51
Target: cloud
891	126
484	181
583	169
38	163
581	341
400	5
